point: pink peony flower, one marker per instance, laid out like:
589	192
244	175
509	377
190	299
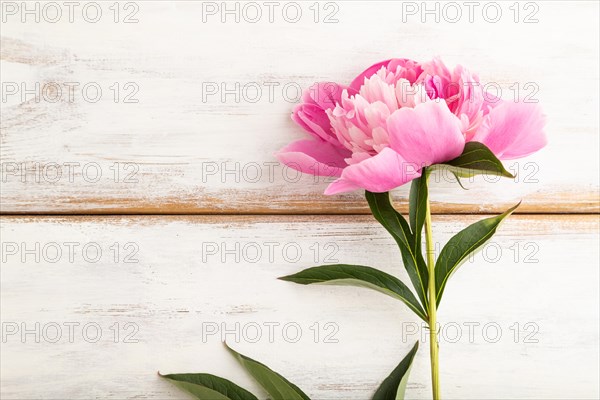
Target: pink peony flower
399	116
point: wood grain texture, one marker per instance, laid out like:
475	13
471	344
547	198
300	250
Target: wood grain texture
164	291
539	270
193	152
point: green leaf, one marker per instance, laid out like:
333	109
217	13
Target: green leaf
358	275
476	159
209	387
464	243
276	385
396	225
417	208
457	177
394	386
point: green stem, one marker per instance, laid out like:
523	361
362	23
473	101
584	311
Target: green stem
433	345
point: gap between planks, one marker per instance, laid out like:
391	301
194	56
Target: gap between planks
265	214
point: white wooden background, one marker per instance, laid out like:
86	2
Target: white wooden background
180	150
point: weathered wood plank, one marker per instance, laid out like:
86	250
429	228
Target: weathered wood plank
190	278
181	148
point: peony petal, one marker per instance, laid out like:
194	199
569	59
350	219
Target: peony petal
314	157
323	94
380	173
314	121
513	130
427	134
341	186
397	67
490	101
369	72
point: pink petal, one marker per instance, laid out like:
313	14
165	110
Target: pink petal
369	72
314	157
513	130
323	94
409	70
314	121
380	173
427	134
490	101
